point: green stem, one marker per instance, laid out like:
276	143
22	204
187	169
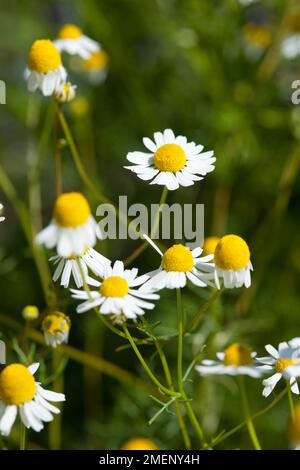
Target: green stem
199	315
249	422
189	408
140	249
22	437
291	403
146	368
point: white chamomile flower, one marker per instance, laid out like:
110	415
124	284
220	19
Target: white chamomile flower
290	47
68	267
56	327
284	362
45	70
173	161
72	228
118	293
235	360
1	209
232	261
65	92
19	392
96	67
178	265
72	40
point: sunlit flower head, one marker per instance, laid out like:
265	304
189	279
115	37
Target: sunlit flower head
96	67
232	261
72	228
209	245
234	360
119	293
30	312
178	265
65	92
172	161
72	40
284	362
19	392
1	210
68	268
139	443
44	70
56	328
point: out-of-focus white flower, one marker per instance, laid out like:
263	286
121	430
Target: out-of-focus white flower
72	40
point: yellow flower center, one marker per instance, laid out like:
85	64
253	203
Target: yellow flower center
209	245
232	252
257	35
43	56
56	323
30	312
139	443
169	157
178	258
69	31
71	210
114	286
97	60
237	355
282	364
17	385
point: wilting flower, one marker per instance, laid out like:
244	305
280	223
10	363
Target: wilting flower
19	392
56	328
30	312
69	267
72	228
72	40
284	362
209	245
178	265
232	261
1	210
173	161
117	293
65	92
139	443
45	70
235	360
96	67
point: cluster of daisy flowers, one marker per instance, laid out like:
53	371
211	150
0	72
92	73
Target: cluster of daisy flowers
45	70
283	362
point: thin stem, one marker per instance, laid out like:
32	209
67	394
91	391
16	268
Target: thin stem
199	315
165	365
249	422
57	161
291	403
146	368
140	249
189	408
22	436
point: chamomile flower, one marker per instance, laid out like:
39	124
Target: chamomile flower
56	328
235	360
1	210
45	70
30	313
65	92
72	40
20	393
232	261
68	268
118	293
172	161
178	265
96	67
284	362
290	47
72	228
139	443
209	245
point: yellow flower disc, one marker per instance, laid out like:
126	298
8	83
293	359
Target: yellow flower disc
114	286
210	244
232	252
237	355
55	323
17	385
97	61
178	258
69	31
169	157
71	210
139	443
282	364
43	56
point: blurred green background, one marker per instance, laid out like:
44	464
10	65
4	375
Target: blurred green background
197	67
